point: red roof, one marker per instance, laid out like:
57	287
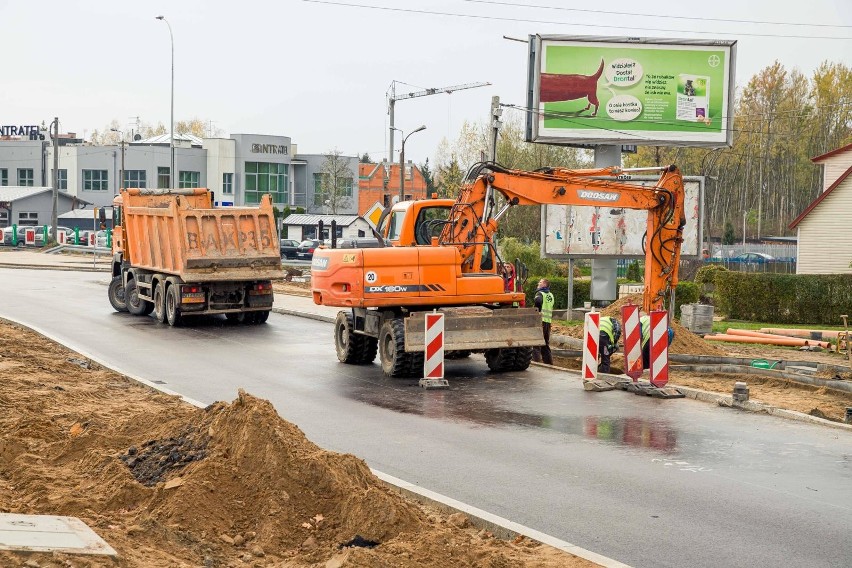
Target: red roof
822	196
832	153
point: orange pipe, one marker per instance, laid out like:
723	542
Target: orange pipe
752	333
806	333
785	341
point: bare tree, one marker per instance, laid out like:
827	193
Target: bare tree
335	182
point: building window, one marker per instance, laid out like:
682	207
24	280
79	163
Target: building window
95	180
63	179
228	184
4	176
135	178
4	218
163	178
189	180
28	219
322	183
264	177
25	177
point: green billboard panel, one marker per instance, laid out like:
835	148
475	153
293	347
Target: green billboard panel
656	92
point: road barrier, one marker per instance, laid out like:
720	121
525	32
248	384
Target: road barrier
659	348
632	341
591	339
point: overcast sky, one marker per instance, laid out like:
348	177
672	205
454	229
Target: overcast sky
318	71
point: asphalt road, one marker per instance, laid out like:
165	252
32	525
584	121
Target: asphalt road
647	482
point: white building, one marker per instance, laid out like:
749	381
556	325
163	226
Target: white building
825	226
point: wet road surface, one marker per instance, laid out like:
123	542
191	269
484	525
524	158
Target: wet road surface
647	482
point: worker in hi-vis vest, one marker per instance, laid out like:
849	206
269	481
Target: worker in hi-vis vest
544	301
610	332
645	325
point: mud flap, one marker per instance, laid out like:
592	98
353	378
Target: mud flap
472	328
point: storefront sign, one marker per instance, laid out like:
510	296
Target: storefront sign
269	149
32	131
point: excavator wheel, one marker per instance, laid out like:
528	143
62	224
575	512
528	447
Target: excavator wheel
395	361
508	359
351	347
457	354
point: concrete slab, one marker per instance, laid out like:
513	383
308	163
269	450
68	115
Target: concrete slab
48	533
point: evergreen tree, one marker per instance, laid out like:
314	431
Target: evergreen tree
728	238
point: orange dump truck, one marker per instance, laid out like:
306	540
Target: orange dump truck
176	255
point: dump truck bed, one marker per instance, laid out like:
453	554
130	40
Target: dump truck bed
178	232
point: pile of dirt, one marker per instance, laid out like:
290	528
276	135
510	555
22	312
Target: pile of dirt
292	288
167	484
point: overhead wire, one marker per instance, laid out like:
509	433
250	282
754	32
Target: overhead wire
561	23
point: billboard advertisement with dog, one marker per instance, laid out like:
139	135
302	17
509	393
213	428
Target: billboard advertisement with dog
654	92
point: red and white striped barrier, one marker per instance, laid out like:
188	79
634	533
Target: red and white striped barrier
659	348
632	341
591	340
60	237
433	362
93	239
29	236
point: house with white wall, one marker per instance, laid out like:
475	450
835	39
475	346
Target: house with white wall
825	226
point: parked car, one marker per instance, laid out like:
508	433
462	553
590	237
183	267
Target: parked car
306	249
288	248
754	257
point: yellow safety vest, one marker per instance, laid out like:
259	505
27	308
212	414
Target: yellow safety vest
547	301
645	324
606	327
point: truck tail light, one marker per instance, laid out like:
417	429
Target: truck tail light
191	294
261	288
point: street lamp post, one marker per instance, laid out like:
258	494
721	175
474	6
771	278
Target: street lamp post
173	173
402	162
55	193
121	172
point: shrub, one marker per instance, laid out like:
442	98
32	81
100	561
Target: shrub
686	293
634	272
511	249
784	298
707	273
559	287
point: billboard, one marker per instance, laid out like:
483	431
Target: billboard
570	231
643	91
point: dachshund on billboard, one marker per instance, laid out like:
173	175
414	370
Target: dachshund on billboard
557	87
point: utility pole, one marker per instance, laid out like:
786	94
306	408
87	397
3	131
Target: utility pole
53	217
393	97
496	112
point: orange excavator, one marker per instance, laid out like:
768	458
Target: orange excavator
439	254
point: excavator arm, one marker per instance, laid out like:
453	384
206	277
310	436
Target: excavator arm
473	219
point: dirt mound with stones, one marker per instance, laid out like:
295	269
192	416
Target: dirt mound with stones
233	484
685	342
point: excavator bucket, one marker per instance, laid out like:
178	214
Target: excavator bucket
471	328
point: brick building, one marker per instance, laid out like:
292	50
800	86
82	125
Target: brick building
378	182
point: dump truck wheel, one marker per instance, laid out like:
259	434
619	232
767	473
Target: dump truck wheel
395	361
415	363
116	294
261	317
135	305
173	306
234	317
160	302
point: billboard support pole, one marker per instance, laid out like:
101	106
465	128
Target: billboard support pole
606	155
